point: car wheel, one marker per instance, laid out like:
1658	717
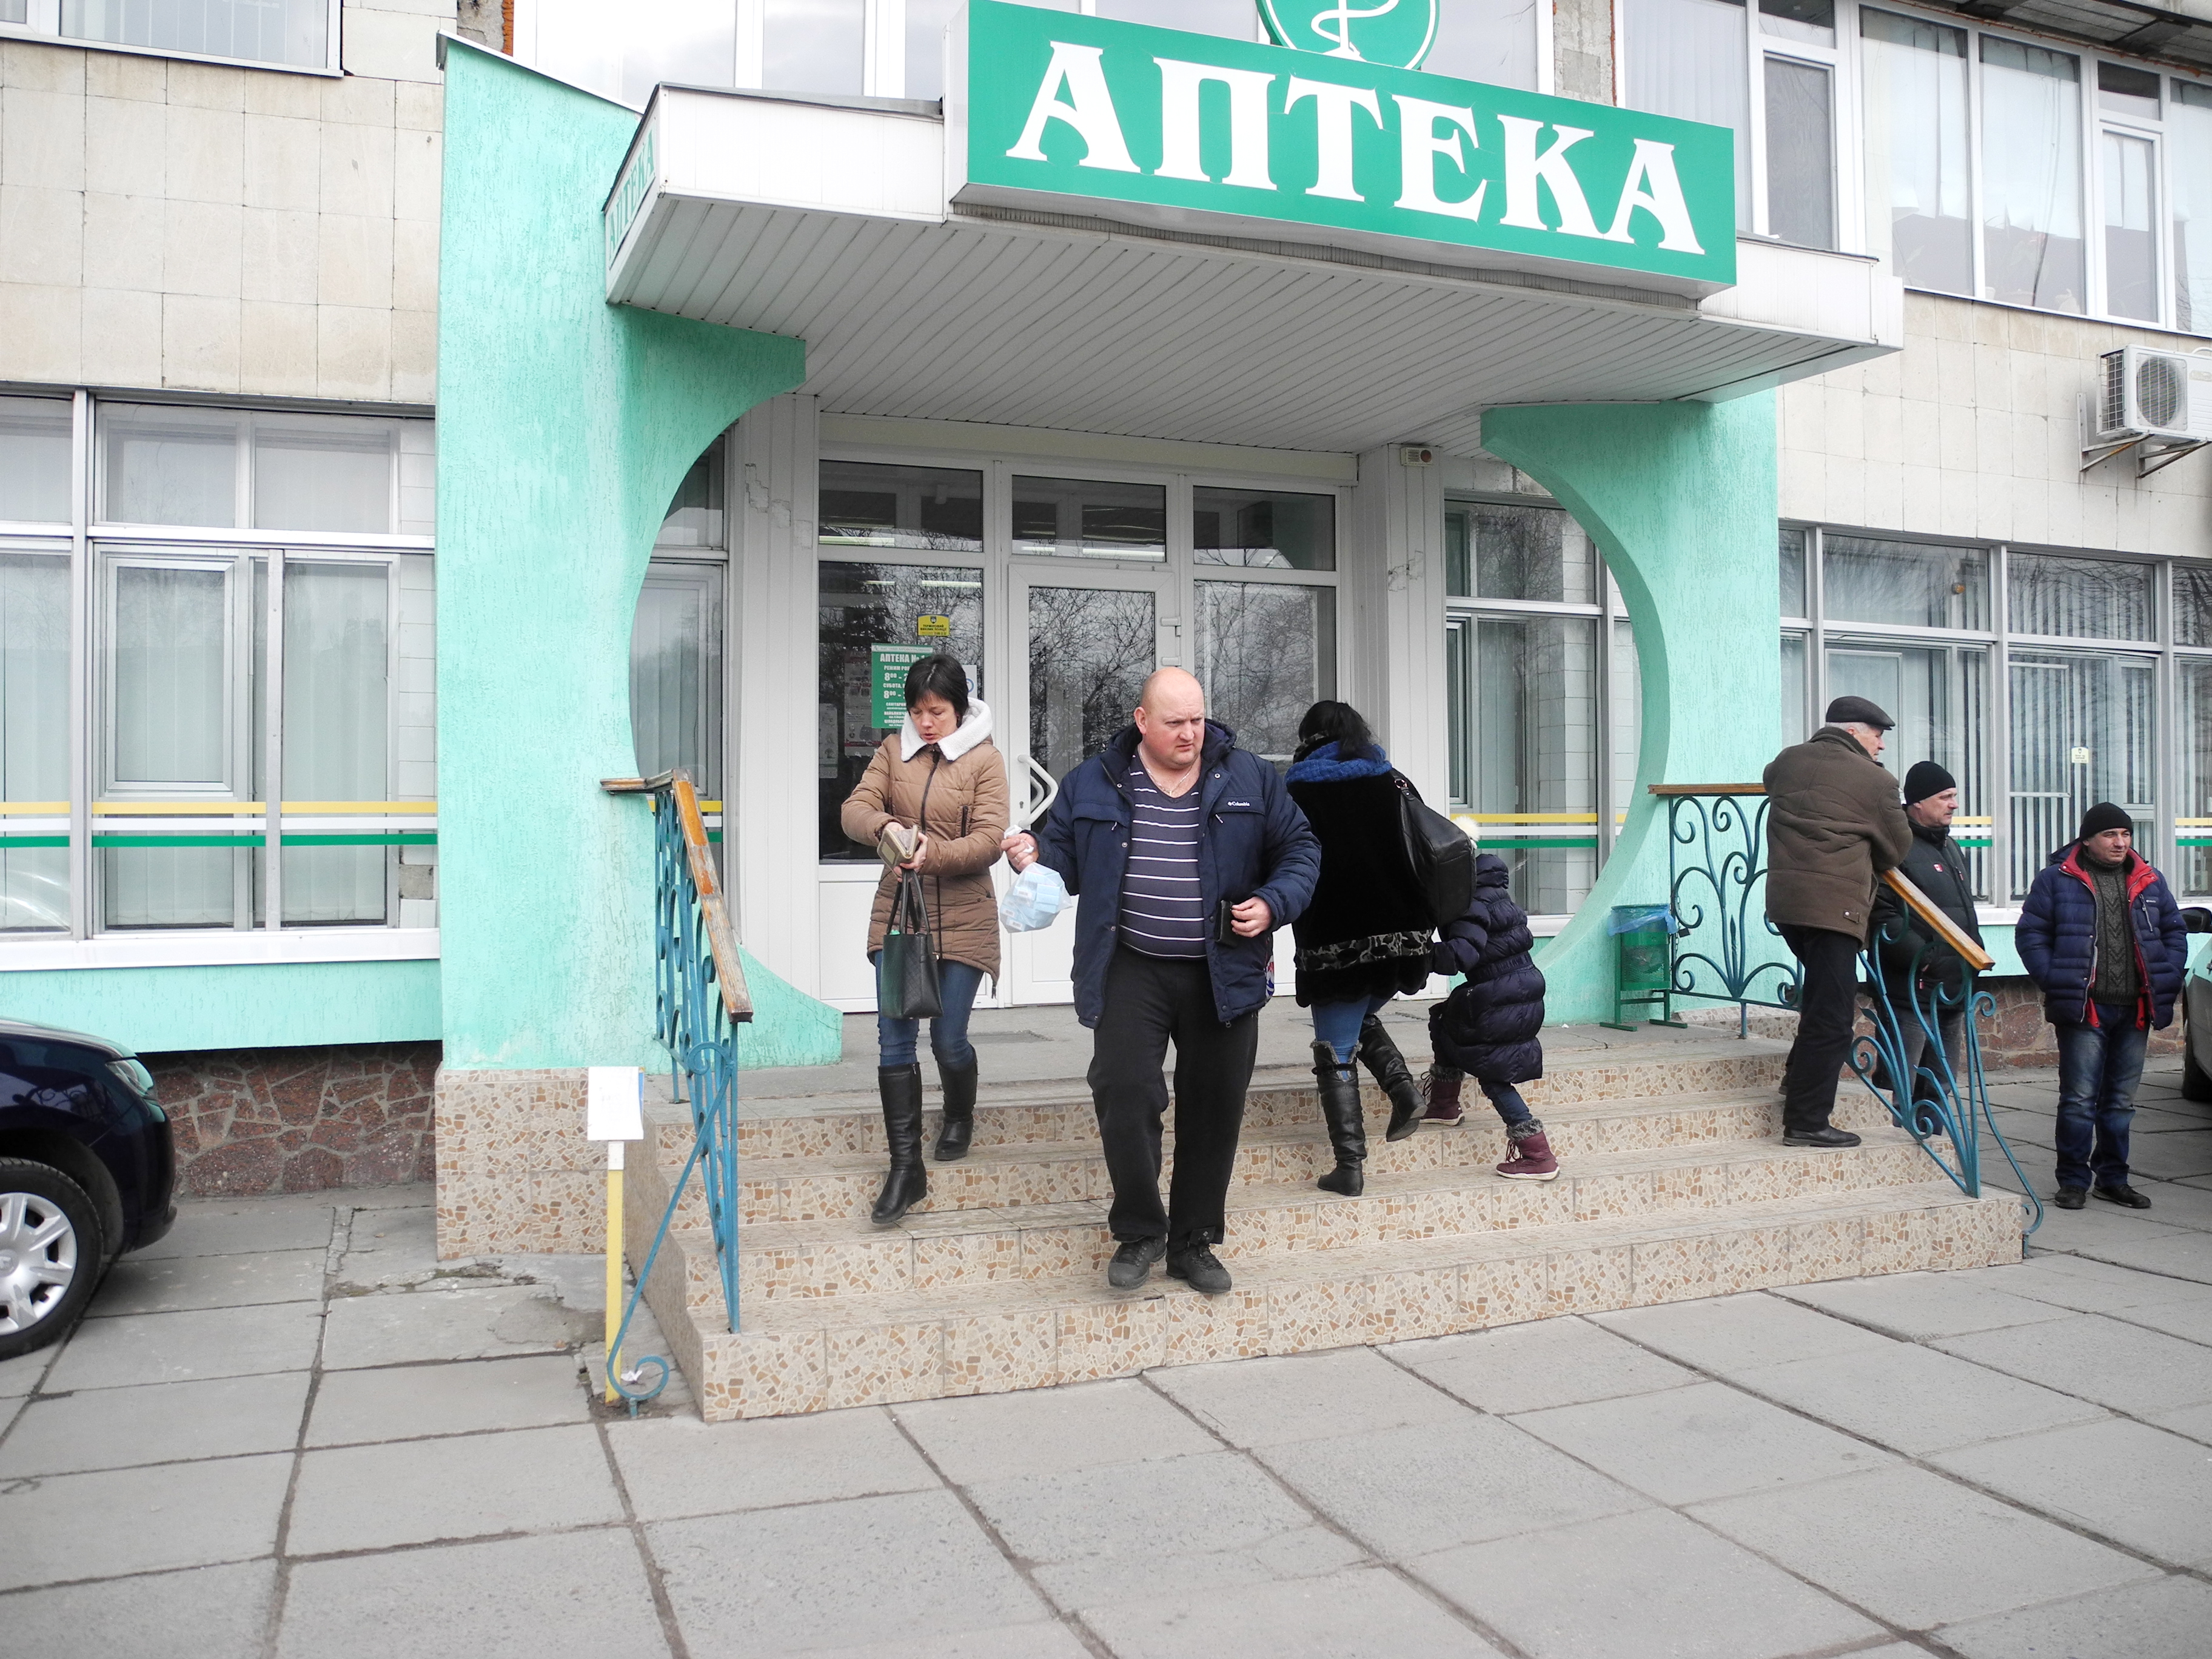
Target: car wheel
51	1247
2195	1082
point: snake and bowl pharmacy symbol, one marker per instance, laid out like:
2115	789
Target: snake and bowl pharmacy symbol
1396	34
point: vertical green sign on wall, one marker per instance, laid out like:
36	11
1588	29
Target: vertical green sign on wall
887	667
1048	109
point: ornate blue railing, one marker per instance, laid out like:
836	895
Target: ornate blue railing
1726	950
700	999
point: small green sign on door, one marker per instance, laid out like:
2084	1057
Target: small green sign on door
887	667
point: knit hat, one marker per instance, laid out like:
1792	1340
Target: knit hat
1925	778
2102	817
1859	711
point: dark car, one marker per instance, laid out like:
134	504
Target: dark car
87	1172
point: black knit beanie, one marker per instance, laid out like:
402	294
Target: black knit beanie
1925	778
2102	817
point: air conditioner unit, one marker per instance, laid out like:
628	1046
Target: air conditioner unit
2144	392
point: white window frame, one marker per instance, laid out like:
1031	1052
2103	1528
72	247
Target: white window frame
45	25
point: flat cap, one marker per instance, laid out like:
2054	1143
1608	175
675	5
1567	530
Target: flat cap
1859	711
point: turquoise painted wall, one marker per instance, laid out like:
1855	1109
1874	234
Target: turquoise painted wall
564	427
262	1005
1681	497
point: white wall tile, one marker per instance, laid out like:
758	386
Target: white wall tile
206	160
122	241
354	265
122	337
125	75
42	138
416	158
353	351
399	45
41	68
282	162
201	248
41	234
277	347
414	357
208	86
299	96
125	144
414	265
281	257
356	170
41	328
199	341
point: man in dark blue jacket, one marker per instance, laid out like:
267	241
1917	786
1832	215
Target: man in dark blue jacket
1185	852
2102	936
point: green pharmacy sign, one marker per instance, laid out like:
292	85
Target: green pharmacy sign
1071	114
1398	33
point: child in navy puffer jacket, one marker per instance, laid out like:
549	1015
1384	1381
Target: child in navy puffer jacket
1486	1027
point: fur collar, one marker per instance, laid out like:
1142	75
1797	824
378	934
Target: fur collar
1323	767
973	730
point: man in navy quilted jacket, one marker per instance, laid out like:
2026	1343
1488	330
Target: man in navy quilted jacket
2102	936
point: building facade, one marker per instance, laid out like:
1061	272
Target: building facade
409	417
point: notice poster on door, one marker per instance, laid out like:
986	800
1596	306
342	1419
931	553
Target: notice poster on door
887	667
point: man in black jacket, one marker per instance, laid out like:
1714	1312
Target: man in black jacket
1935	865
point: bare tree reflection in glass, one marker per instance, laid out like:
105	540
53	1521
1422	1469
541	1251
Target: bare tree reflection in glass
1090	649
1266	652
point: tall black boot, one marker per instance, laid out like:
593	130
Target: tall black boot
959	1086
908	1183
1380	1055
1348	1130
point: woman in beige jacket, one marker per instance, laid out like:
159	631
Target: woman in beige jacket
939	779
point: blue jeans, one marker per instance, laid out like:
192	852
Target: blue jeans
1507	1099
896	1039
2098	1066
1337	1023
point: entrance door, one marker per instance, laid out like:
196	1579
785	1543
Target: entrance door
1085	640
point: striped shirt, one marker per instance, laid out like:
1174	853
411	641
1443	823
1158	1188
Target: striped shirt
1163	910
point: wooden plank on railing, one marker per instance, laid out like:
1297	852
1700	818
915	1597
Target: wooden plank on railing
721	938
1946	930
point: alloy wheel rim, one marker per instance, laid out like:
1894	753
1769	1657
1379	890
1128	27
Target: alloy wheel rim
38	1259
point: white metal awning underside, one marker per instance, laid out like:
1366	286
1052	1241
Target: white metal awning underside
912	311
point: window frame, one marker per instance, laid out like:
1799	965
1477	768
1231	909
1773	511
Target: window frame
44	27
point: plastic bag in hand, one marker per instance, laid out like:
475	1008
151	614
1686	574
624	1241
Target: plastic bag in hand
1037	896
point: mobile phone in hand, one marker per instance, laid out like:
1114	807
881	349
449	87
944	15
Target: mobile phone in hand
1224	924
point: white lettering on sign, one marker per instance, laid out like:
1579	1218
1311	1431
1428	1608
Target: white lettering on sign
1525	169
1419	147
1652	185
1247	122
1087	108
1333	106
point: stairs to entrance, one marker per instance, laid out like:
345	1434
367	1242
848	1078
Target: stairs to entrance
1673	1186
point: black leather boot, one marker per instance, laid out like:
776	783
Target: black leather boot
1348	1130
908	1183
1380	1055
959	1128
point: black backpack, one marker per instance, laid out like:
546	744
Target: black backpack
1440	852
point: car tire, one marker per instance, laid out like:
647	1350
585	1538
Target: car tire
52	1249
2195	1082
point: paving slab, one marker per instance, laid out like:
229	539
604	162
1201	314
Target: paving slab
1639	1586
1734	1332
578	1593
2085	1285
1128	1531
138	1285
1364	1613
838	1575
2138	1486
405	1327
469	1397
252	1226
207	1612
1685	1445
1917	1306
1412	1491
2166	1156
183	1348
18	1376
2191	1320
1547	1362
2184	1254
162	1423
180	1515
2193	1421
1916	1549
1915	1399
1035	1641
1260	1402
678	1465
2120	1365
993	1436
414	1491
2168	1618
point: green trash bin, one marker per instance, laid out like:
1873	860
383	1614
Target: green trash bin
1643	969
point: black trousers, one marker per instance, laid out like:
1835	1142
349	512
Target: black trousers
1827	1009
1149	1001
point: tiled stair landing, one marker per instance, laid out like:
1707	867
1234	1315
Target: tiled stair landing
1673	1187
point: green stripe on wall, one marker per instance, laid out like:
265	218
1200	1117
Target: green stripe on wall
382	838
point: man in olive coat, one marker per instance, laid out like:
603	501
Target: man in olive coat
1834	825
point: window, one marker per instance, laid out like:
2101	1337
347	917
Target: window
2189	129
259	724
1918	166
2032	246
294	33
1266	652
1801	153
1263	529
814	46
1493	42
1686	58
2092	599
2192	824
923	508
1087	519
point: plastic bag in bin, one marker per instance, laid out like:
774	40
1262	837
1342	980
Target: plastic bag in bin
1036	897
1635	918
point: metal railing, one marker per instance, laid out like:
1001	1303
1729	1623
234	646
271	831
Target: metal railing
1727	950
700	999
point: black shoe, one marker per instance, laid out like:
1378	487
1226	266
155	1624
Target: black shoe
1339	1087
2126	1196
1132	1263
959	1111
1823	1136
1380	1055
1195	1263
908	1183
2070	1198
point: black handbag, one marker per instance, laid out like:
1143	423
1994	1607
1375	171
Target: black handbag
906	972
1440	853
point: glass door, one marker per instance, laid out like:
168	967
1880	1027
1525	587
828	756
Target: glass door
1085	640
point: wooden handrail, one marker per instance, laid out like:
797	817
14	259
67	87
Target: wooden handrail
1946	931
721	940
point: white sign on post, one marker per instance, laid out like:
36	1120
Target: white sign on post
614	1107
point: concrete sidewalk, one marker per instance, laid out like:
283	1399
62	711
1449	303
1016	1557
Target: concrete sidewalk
289	1431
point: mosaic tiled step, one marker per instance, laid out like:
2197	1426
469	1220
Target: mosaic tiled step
959	1250
805	1354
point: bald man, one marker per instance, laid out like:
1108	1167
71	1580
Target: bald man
1185	854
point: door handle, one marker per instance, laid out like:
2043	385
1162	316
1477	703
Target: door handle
1035	805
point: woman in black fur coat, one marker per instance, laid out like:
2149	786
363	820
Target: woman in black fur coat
1365	937
1486	1027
